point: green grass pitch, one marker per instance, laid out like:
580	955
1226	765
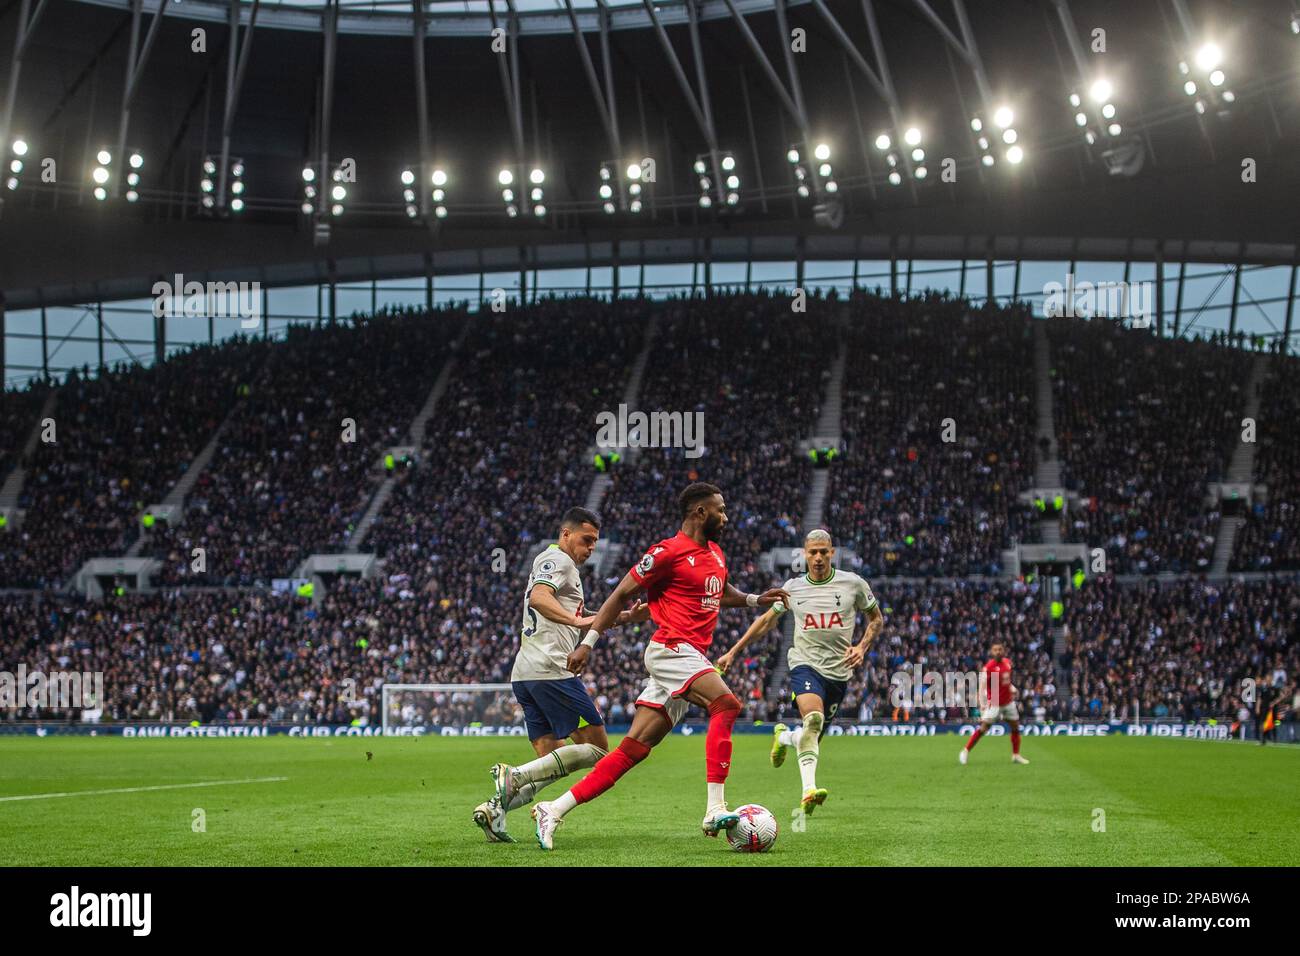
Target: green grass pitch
893	801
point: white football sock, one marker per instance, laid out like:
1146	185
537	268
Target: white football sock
564	804
809	749
716	798
558	763
526	794
790	738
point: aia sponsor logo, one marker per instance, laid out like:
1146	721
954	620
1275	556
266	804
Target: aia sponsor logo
822	621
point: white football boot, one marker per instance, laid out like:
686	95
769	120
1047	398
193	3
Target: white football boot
491	819
547	822
503	775
719	818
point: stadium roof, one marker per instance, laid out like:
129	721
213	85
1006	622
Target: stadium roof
1170	178
457	17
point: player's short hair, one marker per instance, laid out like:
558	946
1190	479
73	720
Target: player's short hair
575	518
818	536
694	494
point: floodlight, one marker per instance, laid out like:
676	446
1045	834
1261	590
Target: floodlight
1208	56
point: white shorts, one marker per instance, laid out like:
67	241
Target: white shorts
1005	712
672	671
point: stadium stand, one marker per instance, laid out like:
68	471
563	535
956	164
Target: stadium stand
18	409
911	502
1180	649
949	626
282	484
1144	426
123	438
509	448
1270	540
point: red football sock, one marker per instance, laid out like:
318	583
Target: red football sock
723	712
974	738
609	768
1015	743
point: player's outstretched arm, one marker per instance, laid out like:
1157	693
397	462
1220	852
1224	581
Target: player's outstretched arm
760	626
605	618
731	597
636	614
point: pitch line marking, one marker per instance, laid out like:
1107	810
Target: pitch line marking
167	786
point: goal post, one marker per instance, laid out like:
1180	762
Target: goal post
457	708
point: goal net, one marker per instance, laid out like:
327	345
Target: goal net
451	709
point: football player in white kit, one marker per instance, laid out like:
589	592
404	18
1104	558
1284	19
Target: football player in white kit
823	656
555	702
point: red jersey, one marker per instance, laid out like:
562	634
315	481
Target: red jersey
684	585
999	681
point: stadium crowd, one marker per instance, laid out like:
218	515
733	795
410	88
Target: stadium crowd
290	476
1181	649
948	627
938	425
121	439
1175	650
753	372
18	410
1143	425
1270	539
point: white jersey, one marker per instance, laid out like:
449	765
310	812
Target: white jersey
544	646
824	621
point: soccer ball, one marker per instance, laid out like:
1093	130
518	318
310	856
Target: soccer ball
756	831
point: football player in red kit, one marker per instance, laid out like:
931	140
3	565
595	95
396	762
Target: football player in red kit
685	579
998	699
